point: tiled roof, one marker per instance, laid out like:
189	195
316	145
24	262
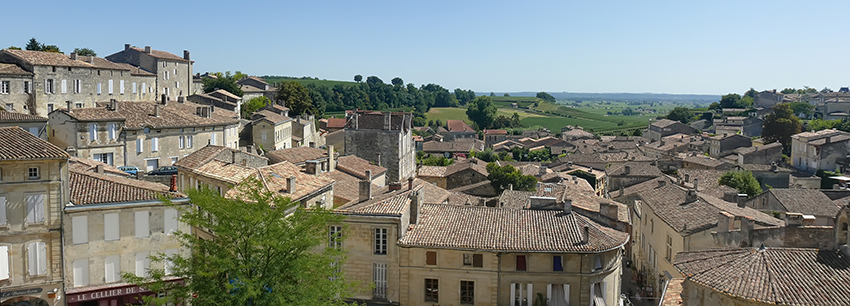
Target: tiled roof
805	201
88	165
19	117
577	134
495	132
138	115
709	181
204	155
635	169
388	203
781	276
135	70
253	78
500	229
13	69
460	198
161	55
347	186
269	116
375	120
225	93
336	123
357	166
92	188
274	179
296	155
432	171
578	191
40	58
18	144
224	171
636	188
458	146
753	149
246	88
458	126
703	160
434	194
475	164
664	123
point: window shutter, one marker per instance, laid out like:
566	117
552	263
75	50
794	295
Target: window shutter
477	260
154	144
431	258
529	292
3	210
513	294
42	258
35	208
567	293
212	139
112	268
80	228
520	262
46	87
64	86
121	87
134	87
110	227
32	258
169	264
81	272
4	262
142	264
170	221
142	224
140	143
110	87
111	128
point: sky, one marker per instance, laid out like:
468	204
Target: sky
679	47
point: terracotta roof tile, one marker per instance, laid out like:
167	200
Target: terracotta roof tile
432	171
138	115
296	155
458	126
19	117
88	165
18	144
270	116
93	188
13	69
336	123
495	132
388	203
161	55
500	229
274	179
347	186
357	166
805	201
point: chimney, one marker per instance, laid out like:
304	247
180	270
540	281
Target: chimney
742	200
99	168
747	226
73	56
482	202
627	170
126	46
793	219
379	159
585	238
661	183
696	184
180	99
249	149
173	183
410	183
394	186
808	220
415	203
725	222
69	105
510	186
113	105
148	49
691	197
365	191
687	177
156	110
312	144
186	55
609	210
730	196
622	190
568	206
331	160
827	139
291	185
164	99
368	175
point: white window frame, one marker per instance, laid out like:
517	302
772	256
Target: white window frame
35	208
93	131
78	86
5	263
112	129
4	87
566	292
380	240
27	87
111	227
99	88
181	142
189	140
64	86
37	258
169	264
528	288
79	229
48	86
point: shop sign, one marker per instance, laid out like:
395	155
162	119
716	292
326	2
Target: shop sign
102	294
6	294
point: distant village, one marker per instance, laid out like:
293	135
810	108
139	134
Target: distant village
91	145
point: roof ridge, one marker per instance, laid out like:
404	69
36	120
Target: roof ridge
99	177
773	292
718	253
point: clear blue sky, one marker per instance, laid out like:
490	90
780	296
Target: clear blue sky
700	47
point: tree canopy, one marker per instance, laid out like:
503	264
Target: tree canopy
501	177
734	100
681	114
545	96
84	52
34	45
358	78
224	81
482	111
780	125
296	97
743	181
266	250
252	105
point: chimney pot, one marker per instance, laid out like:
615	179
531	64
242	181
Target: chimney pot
156	110
173	183
586	237
742	200
409	183
331	160
99	168
147	49
568	206
369	175
73	56
126	46
291	185
186	55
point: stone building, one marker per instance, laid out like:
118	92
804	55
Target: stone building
15	87
384	138
271	128
32	192
36	125
492	137
84	80
747	126
821	150
812	203
305	157
173	73
220	99
760	155
254	87
457	129
142	134
722	145
113	231
667	127
305	132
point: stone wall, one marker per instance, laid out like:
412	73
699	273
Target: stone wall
395	149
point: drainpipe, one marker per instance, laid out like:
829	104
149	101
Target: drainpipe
499	278
62	201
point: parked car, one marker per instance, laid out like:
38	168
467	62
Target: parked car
164	170
129	169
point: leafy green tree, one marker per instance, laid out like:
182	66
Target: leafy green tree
296	97
84	52
397	81
358	78
637	132
432	160
266	250
780	125
681	114
253	105
33	45
507	95
492	94
731	100
802	108
374	80
752	93
545	96
482	111
13	48
224	81
788	91
50	48
743	181
503	176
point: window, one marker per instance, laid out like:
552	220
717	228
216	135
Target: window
558	294
189	141
112	268
181	141
112	131
49	107
64	86
140	145
174	161
432	293
4	87
79	105
37	258
431	258
467	292
99	88
143	264
467	259
557	264
521	294
80	229
212	139
169	264
48	86
121	87
520	263
335	237
597	262
105	158
10	106
144	85
4	262
27	87
176	84
142	219
81	272
35	208
379	276
154	144
669	255
165	74
3	219
78	86
134	87
170	225
93	131
597	294
263	136
381	241
652	226
110	227
110	87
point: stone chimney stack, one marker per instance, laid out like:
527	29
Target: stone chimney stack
379	159
99	169
369	175
725	222
186	55
310	167
148	49
415	206
410	183
126	47
661	183
156	110
69	105
365	190
291	185
696	184
331	160
585	238
568	206
742	200
687	178
691	196
73	56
